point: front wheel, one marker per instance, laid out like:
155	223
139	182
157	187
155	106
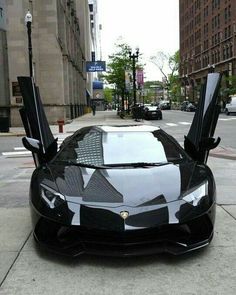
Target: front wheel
227	112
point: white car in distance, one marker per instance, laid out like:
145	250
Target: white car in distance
231	107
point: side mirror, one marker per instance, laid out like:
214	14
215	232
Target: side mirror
32	144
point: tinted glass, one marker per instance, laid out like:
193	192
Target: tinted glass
98	148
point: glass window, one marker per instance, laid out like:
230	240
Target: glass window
101	148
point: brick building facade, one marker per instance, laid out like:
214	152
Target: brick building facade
207	42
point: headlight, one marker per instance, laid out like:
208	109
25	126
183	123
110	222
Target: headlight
51	197
197	194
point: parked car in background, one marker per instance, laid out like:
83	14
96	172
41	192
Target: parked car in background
152	112
164	105
231	107
191	107
188	106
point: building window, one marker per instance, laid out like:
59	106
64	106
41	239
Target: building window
229	31
226	14
224	53
227	52
231	50
229	11
226	33
91	7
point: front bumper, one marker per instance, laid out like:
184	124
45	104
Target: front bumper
168	238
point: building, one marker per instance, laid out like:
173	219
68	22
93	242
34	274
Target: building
4	74
62	43
207	43
98	93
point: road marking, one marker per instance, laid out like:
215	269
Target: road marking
228	119
19	149
16	154
171	124
184	123
20	152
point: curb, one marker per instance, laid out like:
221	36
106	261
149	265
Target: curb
223	156
224	153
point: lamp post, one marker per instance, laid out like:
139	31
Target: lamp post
134	57
185	86
28	22
192	85
211	68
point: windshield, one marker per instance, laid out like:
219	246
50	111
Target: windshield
152	108
97	148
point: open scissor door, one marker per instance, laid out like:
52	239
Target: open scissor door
199	140
35	121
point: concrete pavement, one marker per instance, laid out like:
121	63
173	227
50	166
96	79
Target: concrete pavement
25	270
102	117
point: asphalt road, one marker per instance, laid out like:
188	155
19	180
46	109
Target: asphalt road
225	127
7	143
174	122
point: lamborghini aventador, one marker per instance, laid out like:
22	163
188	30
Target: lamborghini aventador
122	190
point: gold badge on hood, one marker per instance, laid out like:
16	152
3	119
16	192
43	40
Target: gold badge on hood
124	214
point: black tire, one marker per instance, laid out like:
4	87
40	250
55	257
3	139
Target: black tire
227	112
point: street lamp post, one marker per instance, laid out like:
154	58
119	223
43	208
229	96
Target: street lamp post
211	68
28	22
134	57
185	86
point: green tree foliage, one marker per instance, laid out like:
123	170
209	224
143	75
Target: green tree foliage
229	88
118	63
108	92
168	65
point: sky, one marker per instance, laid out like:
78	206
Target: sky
151	25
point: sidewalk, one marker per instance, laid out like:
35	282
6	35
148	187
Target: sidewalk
111	118
101	117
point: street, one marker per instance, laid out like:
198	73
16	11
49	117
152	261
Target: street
175	122
26	270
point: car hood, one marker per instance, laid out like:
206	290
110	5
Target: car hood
134	187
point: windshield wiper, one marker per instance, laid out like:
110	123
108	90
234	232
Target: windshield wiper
137	165
116	165
71	163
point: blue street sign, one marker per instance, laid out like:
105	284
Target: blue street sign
95	66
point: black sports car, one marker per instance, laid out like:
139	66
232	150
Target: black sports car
122	190
152	112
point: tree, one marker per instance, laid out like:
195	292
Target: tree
118	63
108	94
229	87
168	65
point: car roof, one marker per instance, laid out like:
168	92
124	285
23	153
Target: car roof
129	128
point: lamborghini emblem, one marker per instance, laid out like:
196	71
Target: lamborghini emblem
124	214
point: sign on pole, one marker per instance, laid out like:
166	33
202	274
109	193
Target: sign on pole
95	66
139	75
